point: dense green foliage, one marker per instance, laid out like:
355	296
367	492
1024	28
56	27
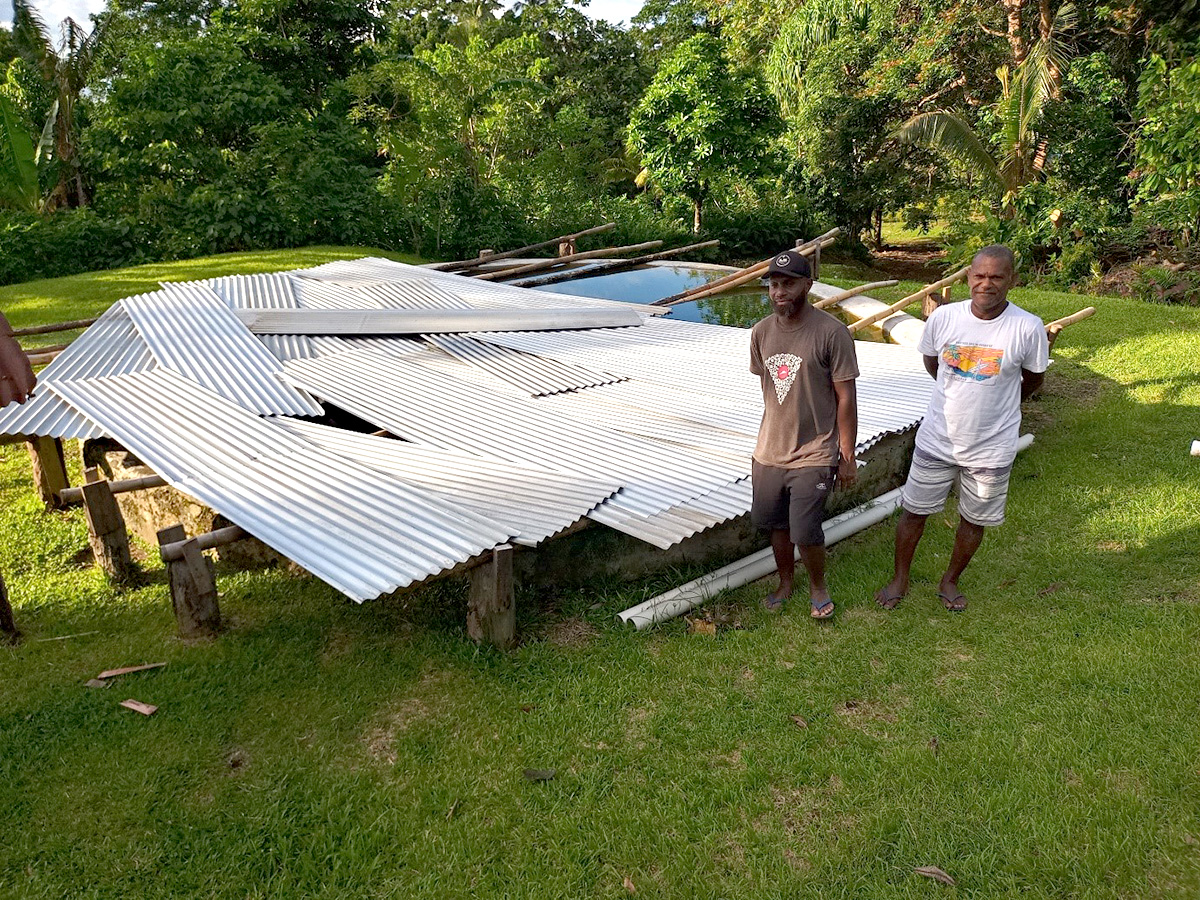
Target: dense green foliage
1070	130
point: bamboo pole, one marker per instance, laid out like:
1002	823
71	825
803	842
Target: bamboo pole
752	274
854	292
613	267
509	254
1060	324
890	311
51	329
804	247
1054	328
75	495
543	264
175	549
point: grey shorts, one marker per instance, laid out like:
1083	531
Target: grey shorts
982	492
792	500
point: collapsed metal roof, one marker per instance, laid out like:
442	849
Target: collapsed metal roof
645	425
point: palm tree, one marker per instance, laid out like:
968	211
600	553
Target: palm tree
1020	155
65	68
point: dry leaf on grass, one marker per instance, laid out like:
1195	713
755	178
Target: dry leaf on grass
629	885
702	626
933	745
799	721
1050	588
540	774
935	873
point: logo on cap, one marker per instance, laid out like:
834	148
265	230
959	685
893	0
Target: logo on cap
783	260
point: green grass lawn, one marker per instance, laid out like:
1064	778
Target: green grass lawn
1046	743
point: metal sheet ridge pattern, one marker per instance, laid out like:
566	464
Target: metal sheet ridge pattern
535	503
417	321
427	407
534	375
361	531
195	333
110	346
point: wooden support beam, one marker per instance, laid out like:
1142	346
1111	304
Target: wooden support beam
8	627
815	262
543	264
491	612
210	540
890	311
193	587
72	495
741	276
933	301
49	468
106	529
611	268
52	329
509	254
854	292
1053	329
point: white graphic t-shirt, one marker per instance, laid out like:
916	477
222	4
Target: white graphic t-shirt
974	415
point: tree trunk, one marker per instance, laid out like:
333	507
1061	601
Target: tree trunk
696	206
1016	40
8	628
879	229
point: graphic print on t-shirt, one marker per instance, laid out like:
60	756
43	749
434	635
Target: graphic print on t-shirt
972	361
783	368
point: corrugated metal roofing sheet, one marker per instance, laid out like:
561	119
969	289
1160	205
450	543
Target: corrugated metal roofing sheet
269	291
532	374
193	332
111	346
534	503
477	294
426	407
363	532
376	322
414	293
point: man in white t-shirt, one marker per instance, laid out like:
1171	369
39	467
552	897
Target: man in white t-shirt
987	355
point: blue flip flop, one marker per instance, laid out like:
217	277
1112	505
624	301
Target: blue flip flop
822	610
773	604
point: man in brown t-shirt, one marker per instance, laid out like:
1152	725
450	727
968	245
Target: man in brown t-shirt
805	358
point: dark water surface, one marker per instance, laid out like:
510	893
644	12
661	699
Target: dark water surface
741	308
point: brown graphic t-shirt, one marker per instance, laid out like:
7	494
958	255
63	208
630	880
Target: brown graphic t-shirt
798	362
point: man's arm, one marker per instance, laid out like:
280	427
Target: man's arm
16	375
847	422
1030	382
931	365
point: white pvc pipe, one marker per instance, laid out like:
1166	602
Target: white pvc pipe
686	597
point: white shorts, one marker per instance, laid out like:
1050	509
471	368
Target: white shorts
982	492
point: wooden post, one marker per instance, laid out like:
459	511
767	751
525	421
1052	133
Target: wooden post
566	248
491	613
106	529
931	301
49	468
815	262
193	588
8	627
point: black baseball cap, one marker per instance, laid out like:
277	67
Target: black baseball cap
789	262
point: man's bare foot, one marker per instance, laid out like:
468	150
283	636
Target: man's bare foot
890	595
774	601
952	598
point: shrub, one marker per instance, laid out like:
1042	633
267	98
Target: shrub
65	243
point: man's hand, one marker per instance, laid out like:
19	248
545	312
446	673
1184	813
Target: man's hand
16	375
847	470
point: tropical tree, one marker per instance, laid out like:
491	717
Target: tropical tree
65	67
700	119
18	162
1017	154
